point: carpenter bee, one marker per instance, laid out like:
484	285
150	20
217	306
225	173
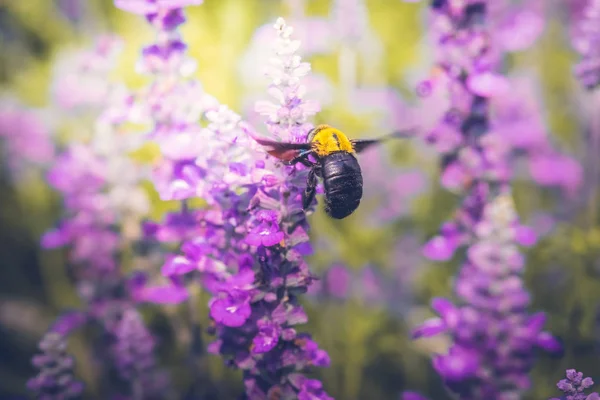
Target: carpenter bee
335	164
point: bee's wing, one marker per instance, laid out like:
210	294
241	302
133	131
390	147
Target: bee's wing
362	144
285	151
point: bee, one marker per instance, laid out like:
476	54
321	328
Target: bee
335	164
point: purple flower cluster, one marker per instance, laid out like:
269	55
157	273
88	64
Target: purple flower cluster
170	107
55	381
99	185
493	335
514	129
81	78
392	189
133	352
587	43
369	286
574	387
246	247
24	136
256	310
102	200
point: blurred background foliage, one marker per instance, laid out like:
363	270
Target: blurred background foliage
367	338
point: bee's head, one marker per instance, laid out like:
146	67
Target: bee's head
313	132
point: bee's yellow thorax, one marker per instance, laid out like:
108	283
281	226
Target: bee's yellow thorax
327	140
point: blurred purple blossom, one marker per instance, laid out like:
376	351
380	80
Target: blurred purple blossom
256	312
246	248
81	77
520	27
102	201
73	10
68	322
55	379
349	20
337	281
134	359
392	189
26	137
586	41
493	335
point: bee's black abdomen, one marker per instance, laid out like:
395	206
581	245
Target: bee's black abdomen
342	179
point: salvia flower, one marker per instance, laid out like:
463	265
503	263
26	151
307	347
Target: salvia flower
55	381
81	78
256	308
494	337
133	351
575	386
103	205
170	108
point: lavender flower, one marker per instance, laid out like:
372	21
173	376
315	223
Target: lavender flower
171	106
134	359
81	78
493	335
254	207
337	282
587	43
574	387
25	136
257	308
55	380
103	201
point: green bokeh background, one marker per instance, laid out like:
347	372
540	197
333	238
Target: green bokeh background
372	355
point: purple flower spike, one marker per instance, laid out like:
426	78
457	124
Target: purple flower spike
263	340
55	380
493	336
134	354
575	386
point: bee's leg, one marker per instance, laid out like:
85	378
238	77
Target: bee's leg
311	189
303	158
318	170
